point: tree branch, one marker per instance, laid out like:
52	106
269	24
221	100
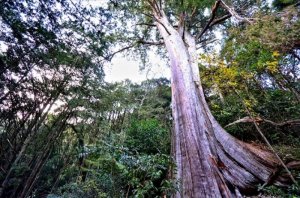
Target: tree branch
157	5
150	42
213	15
153	4
247	119
157	13
181	24
109	57
235	14
289	122
147	24
295	55
148	15
193	13
205	42
220	20
212	23
153	25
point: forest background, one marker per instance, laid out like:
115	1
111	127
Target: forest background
65	132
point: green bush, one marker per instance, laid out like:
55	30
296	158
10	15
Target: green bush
148	136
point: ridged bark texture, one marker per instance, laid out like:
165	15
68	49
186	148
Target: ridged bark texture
210	162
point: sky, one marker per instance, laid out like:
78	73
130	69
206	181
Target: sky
122	68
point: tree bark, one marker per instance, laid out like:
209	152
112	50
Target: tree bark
210	162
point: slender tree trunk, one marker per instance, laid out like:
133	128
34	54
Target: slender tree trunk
31	131
26	187
34	175
210	162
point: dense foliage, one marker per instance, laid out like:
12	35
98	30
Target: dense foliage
258	70
64	132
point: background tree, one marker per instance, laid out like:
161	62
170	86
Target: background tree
112	161
64	132
41	61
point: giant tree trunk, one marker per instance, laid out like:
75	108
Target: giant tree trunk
210	162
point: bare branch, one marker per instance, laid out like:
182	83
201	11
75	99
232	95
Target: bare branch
154	6
235	14
181	24
212	23
213	15
160	4
220	20
295	55
289	122
153	25
147	24
148	15
109	57
157	5
150	42
193	13
206	42
247	119
157	14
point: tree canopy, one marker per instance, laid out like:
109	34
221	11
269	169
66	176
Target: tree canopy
65	132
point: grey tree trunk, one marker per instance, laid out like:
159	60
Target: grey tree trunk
210	162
